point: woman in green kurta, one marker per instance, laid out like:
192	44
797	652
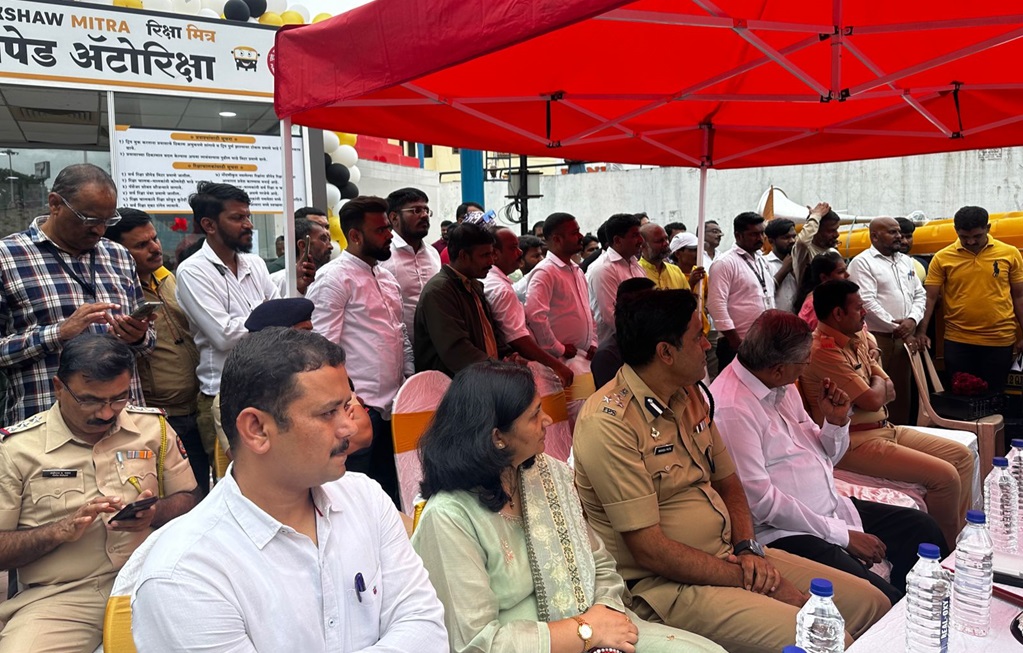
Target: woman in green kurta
503	535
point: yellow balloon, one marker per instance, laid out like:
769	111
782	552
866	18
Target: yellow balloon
292	18
270	18
335	230
347	139
131	4
318	17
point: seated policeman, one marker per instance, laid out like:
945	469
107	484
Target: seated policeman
658	486
63	473
786	462
287	553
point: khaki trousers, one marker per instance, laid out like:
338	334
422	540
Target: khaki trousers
743	622
58	620
207	429
900	453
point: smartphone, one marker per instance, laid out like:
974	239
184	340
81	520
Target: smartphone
132	509
305	252
145	309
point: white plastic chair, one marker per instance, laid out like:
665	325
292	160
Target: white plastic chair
414	406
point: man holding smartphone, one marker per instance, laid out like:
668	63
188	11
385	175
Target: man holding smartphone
312	251
64	474
168	373
61	278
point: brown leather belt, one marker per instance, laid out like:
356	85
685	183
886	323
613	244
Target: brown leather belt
868	426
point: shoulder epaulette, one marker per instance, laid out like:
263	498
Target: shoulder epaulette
614	402
23	425
146	409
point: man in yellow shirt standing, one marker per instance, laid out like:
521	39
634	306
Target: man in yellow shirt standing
981	282
655	261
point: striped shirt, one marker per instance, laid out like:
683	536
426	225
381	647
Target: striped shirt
37	293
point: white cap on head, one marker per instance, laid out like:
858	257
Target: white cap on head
682	241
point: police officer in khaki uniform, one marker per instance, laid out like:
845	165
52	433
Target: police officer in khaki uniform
63	475
659	487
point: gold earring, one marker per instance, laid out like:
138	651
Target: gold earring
500	445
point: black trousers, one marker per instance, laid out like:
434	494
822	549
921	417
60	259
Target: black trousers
901	529
187	428
377	461
989	363
725	353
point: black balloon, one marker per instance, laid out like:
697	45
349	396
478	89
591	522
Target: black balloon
327	161
338	174
237	10
350	191
256	7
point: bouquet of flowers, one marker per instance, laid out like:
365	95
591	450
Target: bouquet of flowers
968	385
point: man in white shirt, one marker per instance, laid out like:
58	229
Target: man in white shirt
818	235
358	305
712	235
620	262
218	287
557	304
741	287
413	262
508	312
309	258
286	526
895	301
786	462
781	234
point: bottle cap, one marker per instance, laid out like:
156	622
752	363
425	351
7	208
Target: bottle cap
792	648
821	587
1000	462
1018	443
929	551
976	517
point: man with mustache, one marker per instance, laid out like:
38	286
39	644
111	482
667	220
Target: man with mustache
60	278
310	257
412	262
168	373
287	519
357	304
219	286
63	474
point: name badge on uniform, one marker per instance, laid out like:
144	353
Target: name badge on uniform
663	449
60	473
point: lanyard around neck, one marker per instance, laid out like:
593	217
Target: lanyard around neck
89	288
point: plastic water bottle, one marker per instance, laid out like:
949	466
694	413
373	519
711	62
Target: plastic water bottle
820	627
928	594
1001	504
1015	458
971	589
792	648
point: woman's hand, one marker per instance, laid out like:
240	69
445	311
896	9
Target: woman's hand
611	628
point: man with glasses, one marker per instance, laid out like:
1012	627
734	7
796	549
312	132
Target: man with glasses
64	474
219	286
60	278
413	262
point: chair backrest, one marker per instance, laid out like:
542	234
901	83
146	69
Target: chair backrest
117	617
414	406
558	441
987	429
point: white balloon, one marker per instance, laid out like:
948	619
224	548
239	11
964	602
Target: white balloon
157	5
98	2
346	155
333	194
216	6
299	9
356	174
336	208
208	13
277	6
188	7
330	141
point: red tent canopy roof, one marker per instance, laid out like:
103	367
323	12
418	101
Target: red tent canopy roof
723	83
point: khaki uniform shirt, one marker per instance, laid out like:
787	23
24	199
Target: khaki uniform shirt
46	474
638	463
846	361
168	373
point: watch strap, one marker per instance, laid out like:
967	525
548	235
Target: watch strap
579	631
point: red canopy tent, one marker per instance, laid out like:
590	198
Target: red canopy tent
701	83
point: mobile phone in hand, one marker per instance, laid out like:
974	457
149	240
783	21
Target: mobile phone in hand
145	310
132	509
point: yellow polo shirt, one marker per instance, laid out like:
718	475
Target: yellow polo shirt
975	291
669	278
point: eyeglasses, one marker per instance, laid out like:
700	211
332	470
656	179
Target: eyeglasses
92	222
98	404
419	210
479	217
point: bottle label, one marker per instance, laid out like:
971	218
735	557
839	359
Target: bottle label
944	625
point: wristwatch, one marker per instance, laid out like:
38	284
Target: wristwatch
585	632
748	546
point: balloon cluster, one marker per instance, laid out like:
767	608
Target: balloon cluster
266	12
339	159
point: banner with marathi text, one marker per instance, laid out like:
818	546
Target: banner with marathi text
90	46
